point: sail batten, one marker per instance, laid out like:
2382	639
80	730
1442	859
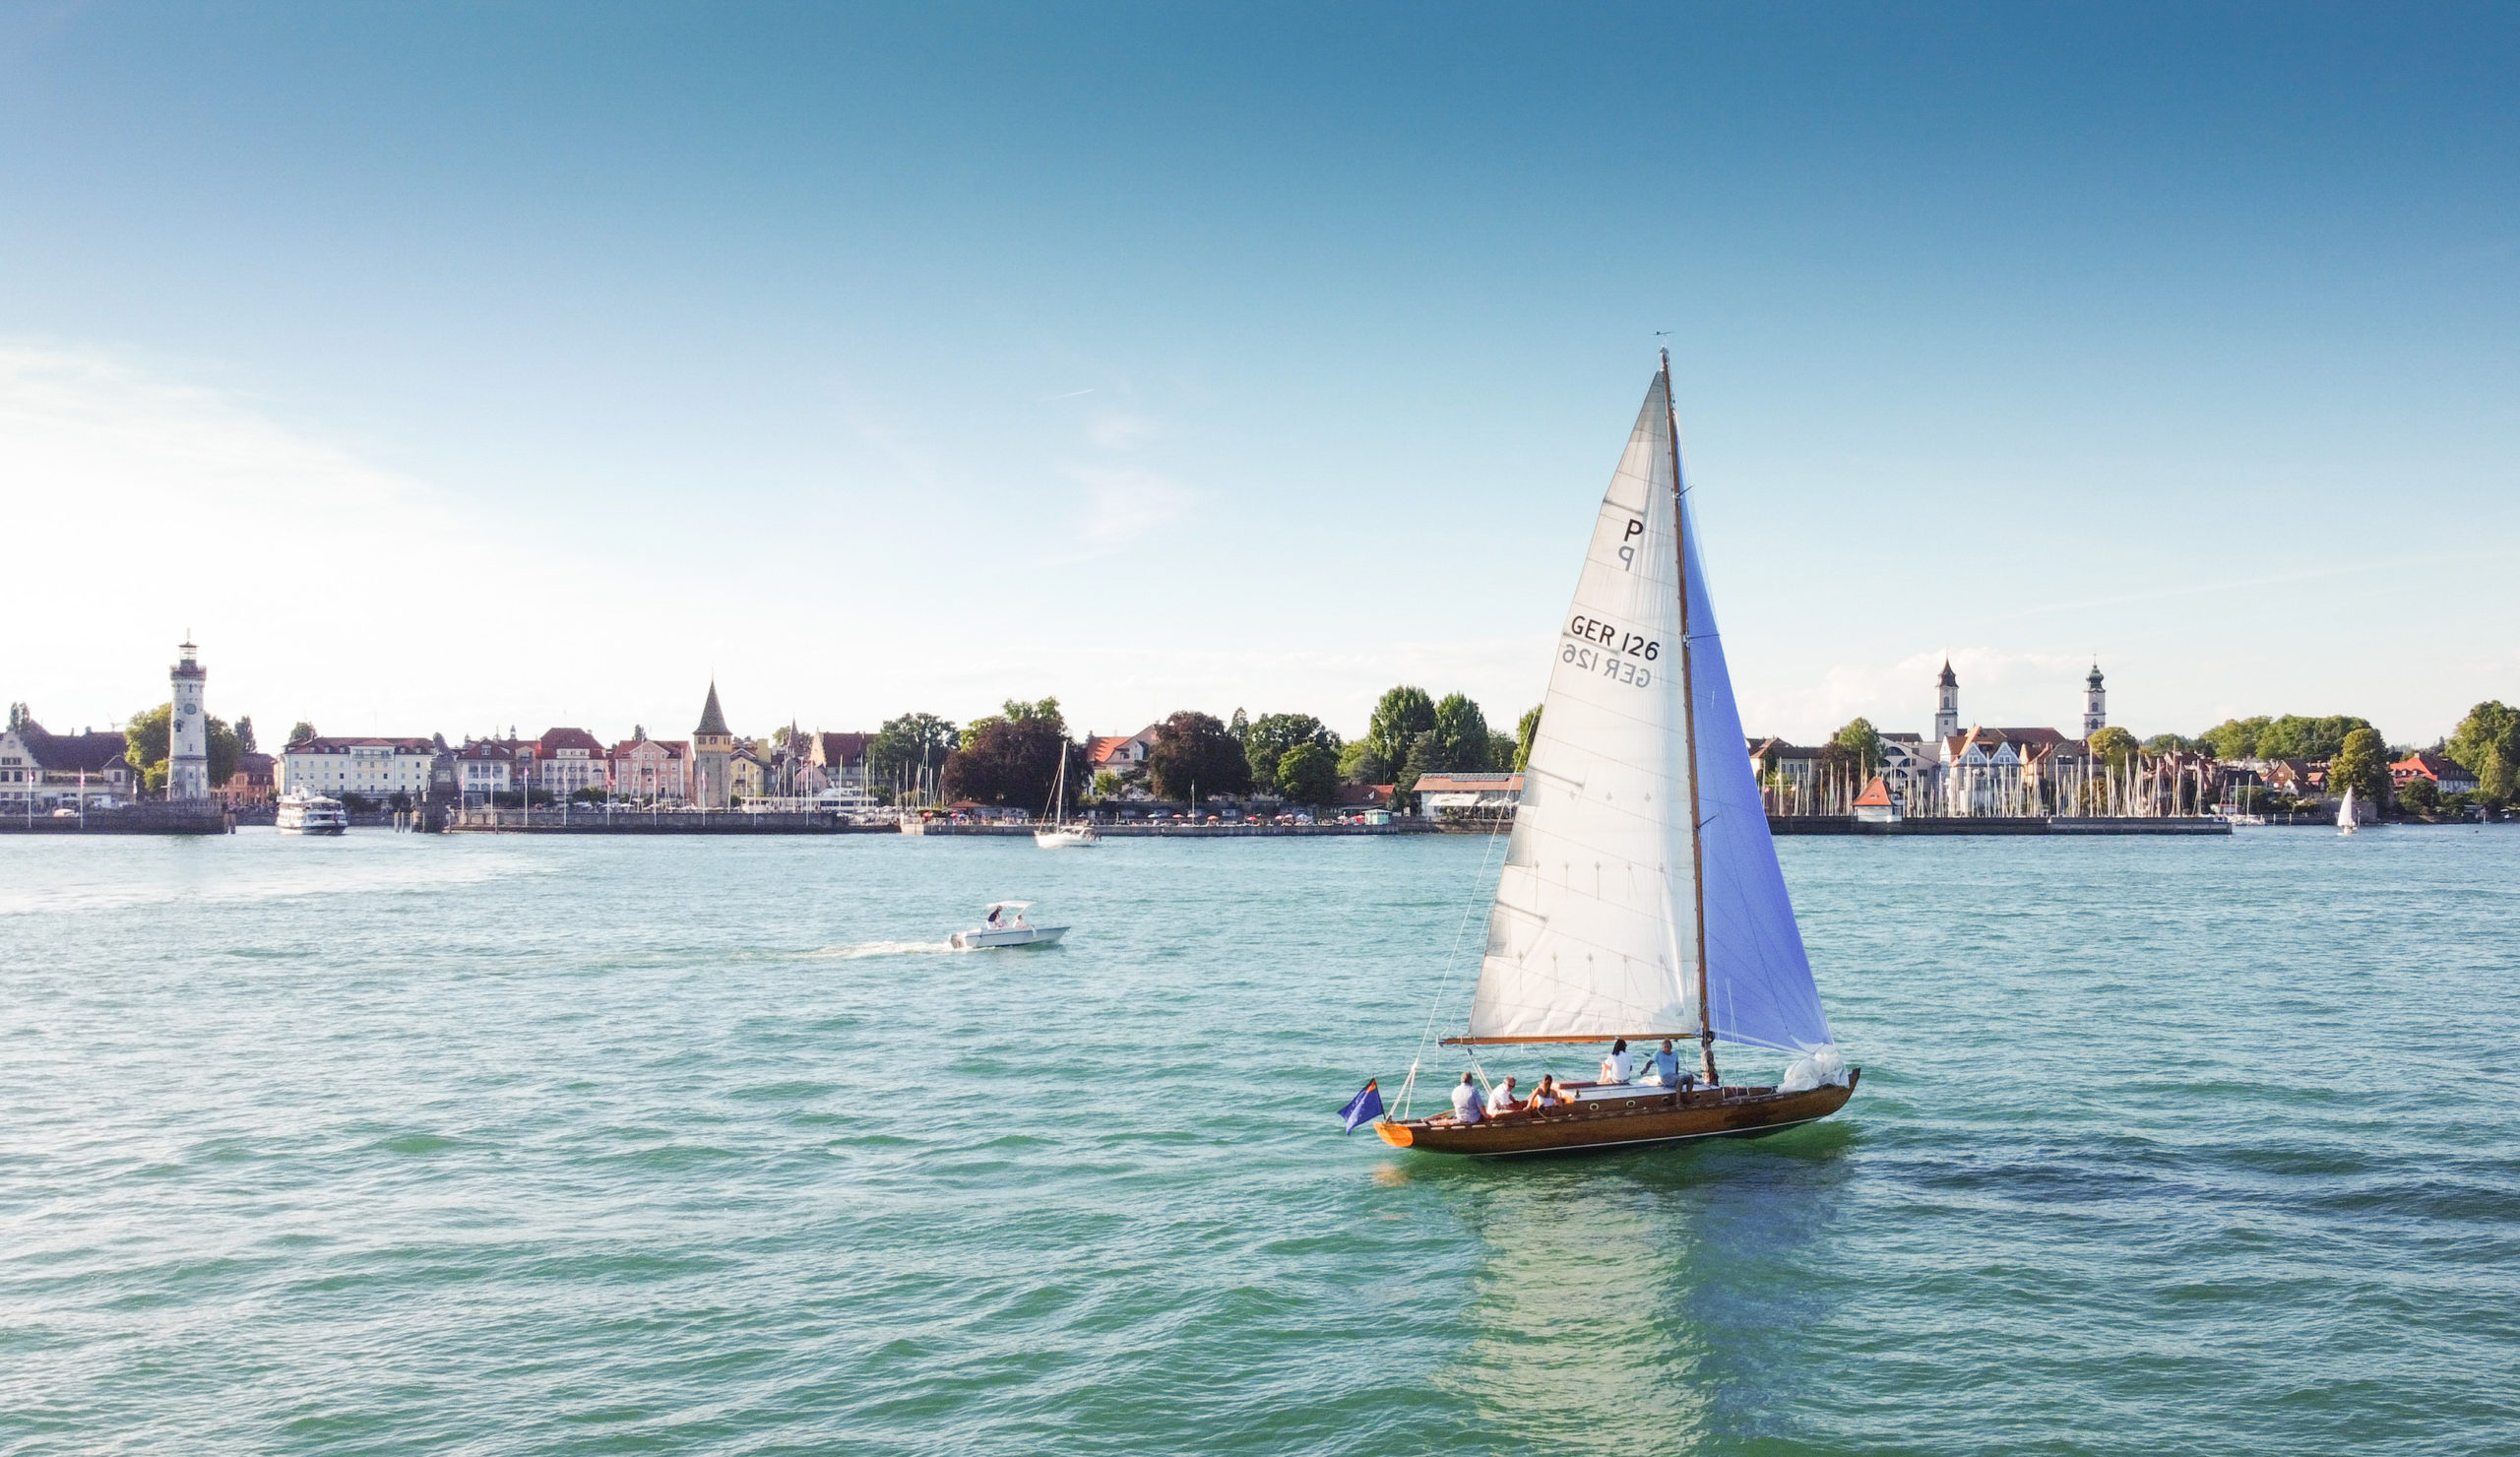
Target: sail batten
1599	917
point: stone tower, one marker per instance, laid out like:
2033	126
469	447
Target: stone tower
2094	704
712	747
1946	714
187	734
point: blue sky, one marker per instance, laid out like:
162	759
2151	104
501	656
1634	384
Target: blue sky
445	367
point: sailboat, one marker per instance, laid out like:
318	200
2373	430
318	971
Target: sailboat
2345	823
1641	898
1061	833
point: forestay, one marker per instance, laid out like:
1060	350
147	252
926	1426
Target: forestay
1594	931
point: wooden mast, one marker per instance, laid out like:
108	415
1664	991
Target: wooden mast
1688	717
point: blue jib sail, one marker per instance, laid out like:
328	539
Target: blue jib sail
1758	980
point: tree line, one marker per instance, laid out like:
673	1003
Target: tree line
1012	758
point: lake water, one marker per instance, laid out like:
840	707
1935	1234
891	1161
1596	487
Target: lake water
510	1144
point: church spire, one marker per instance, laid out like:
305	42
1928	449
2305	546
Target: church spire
712	720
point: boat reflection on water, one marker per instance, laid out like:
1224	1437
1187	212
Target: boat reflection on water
1653	1302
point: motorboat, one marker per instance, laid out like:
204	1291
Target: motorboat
302	813
1007	926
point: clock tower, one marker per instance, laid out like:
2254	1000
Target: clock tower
2094	704
188	733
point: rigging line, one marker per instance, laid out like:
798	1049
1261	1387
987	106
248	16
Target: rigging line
1452	957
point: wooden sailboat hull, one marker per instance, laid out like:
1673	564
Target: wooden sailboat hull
1652	1116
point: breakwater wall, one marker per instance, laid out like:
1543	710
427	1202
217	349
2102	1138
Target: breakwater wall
136	820
1831	824
1124	830
656	822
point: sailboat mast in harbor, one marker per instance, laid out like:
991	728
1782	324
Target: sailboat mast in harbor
1688	718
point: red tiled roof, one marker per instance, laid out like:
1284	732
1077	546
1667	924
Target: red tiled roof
1874	794
555	739
1101	750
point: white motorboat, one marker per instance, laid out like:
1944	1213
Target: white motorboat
1062	833
301	813
1007	926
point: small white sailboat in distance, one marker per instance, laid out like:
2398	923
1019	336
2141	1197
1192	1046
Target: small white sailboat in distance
1060	833
1007	926
2345	823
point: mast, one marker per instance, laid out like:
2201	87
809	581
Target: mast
1688	718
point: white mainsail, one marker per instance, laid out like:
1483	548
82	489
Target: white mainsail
1595	930
1594	926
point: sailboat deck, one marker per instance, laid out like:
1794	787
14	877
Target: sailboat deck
1619	1115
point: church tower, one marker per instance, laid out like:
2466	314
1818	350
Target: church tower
187	732
1946	714
711	749
2094	704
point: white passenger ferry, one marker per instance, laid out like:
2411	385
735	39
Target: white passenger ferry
301	813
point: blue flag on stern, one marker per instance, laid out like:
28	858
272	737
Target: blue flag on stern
1364	1108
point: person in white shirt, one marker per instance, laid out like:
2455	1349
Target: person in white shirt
1618	1067
1466	1102
1502	1100
1664	1071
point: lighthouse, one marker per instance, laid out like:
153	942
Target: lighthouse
188	733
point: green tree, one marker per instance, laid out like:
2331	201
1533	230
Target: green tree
1423	752
1308	774
20	716
2294	737
906	746
1460	735
2114	746
1239	726
1524	732
2488	745
1272	735
2235	738
300	731
1193	751
147	742
1359	764
2362	764
1402	714
1105	785
245	734
1856	750
2419	794
1013	759
2171	743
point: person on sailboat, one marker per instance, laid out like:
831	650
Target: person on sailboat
1546	1092
1618	1067
1501	1101
1664	1071
1466	1102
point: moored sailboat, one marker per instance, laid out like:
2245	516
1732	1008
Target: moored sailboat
1641	897
1060	833
2347	818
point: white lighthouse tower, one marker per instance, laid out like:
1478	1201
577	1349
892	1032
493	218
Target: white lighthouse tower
2094	704
188	733
1946	714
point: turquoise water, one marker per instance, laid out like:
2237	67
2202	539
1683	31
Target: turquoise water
460	1144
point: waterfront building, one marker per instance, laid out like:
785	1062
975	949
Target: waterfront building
567	760
1467	793
649	770
834	761
187	732
2448	775
748	773
711	746
374	768
41	772
251	785
1909	768
485	767
1121	754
